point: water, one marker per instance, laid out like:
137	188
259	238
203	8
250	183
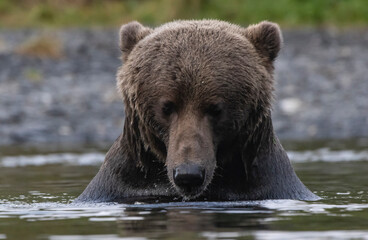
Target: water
37	190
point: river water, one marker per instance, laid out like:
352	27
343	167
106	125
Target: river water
37	191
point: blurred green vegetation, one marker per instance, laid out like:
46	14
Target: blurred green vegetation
289	13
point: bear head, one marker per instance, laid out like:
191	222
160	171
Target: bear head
195	93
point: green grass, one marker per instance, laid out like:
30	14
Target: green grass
42	46
289	13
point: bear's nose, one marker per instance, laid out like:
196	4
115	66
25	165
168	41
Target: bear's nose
189	176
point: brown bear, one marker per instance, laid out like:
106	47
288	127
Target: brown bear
198	126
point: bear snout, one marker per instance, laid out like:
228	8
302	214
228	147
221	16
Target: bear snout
189	177
191	156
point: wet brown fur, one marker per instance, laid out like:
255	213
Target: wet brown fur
215	79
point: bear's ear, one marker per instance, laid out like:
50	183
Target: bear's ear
130	34
266	38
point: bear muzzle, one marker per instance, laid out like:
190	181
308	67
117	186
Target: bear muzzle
189	178
191	155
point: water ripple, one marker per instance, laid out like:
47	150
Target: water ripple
117	212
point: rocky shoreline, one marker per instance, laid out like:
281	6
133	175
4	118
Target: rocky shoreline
71	98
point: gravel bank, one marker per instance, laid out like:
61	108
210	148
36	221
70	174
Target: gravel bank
321	92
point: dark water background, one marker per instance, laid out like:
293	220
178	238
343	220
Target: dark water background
37	190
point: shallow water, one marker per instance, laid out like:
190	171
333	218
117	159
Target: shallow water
36	194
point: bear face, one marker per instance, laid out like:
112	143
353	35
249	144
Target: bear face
198	125
194	91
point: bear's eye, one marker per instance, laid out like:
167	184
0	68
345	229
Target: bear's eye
168	108
214	110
